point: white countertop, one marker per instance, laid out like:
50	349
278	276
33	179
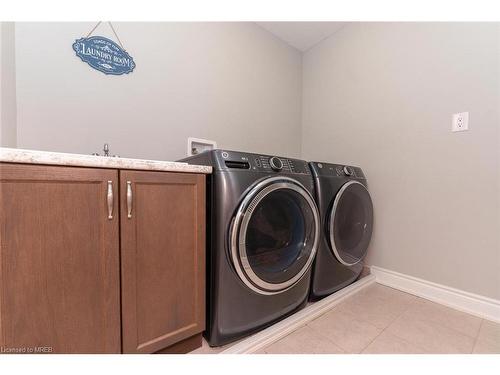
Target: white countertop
16	155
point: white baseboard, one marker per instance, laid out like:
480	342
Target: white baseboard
471	303
297	320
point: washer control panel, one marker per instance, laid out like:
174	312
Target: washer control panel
275	163
279	164
264	163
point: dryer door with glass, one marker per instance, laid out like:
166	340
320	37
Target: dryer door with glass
274	235
350	223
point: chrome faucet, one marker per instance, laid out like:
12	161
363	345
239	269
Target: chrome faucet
106	152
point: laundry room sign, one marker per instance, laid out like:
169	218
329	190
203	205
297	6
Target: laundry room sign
103	54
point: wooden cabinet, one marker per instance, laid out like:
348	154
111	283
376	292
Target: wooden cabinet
163	262
64	231
59	259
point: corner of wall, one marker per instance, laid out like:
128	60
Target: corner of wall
8	102
301	134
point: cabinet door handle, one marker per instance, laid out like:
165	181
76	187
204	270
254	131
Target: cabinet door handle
129	199
110	200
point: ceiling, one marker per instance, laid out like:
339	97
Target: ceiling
302	35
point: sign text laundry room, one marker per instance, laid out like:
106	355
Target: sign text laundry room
104	55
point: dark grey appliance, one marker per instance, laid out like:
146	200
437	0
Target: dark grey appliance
346	213
263	232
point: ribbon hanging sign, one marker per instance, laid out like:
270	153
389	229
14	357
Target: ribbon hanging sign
104	55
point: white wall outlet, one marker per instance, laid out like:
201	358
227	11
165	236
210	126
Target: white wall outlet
460	122
196	146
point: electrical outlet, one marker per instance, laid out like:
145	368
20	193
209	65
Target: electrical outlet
460	122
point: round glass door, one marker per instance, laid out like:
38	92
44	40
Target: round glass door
274	236
351	223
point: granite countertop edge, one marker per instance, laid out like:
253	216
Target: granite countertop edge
15	155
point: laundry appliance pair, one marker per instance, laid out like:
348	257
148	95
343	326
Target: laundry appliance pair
281	231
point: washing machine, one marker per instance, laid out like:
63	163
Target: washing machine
262	236
346	214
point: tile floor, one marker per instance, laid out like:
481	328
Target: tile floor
379	319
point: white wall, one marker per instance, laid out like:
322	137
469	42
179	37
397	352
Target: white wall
8	129
381	96
231	82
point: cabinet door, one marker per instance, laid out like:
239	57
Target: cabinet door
59	259
162	258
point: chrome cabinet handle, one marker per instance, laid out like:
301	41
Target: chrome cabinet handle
129	199
110	200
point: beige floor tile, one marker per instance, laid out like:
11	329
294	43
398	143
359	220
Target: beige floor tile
206	349
445	316
345	330
303	341
412	325
387	343
260	351
378	305
430	336
485	347
488	340
384	292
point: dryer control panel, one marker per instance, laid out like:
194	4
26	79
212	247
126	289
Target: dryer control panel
262	163
336	170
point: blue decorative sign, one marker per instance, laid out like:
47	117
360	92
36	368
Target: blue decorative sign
104	55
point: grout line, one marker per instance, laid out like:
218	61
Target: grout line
410	305
424	300
346	351
477	336
362	320
404	339
399	316
355	318
362	350
479	330
428	321
390	323
387	326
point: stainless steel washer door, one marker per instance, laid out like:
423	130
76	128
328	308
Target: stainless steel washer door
274	236
351	223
